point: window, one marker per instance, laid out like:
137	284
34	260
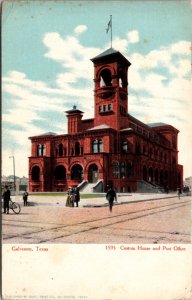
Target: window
129	170
109	107
100	108
77	148
97	146
60	149
100	146
41	150
94	146
123	169
105	78
35	173
116	169
104	107
124	146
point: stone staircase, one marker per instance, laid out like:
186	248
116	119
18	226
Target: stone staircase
89	188
148	187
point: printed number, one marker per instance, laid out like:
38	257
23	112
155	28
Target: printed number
110	247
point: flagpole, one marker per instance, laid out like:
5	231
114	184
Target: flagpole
111	29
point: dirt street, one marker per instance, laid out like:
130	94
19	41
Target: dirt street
158	221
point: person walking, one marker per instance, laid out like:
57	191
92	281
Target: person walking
179	192
6	199
111	196
25	197
77	197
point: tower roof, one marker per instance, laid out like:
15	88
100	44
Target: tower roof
110	53
74	110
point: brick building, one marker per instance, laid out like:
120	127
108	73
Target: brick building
111	148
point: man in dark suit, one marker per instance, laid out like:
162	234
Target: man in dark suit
111	196
77	197
6	198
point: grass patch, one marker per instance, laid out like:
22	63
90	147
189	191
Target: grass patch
83	196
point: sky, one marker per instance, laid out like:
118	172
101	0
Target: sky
46	67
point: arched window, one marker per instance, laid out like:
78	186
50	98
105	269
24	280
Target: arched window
43	149
38	150
105	78
94	146
129	170
77	148
60	172
64	151
77	172
123	169
60	149
124	146
97	146
116	169
35	173
100	146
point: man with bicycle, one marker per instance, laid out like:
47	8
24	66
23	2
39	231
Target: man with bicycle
6	199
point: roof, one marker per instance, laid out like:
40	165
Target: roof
74	110
110	52
102	126
157	124
105	53
47	133
125	129
43	134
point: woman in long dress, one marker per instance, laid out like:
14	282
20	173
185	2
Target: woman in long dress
70	198
68	201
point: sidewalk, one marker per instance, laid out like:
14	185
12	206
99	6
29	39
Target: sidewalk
94	202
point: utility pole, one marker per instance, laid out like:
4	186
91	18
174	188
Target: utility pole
13	157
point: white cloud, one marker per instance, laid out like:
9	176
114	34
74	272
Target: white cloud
133	36
80	29
120	44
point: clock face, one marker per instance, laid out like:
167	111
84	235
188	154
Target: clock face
106	95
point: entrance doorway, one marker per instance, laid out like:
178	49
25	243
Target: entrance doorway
93	173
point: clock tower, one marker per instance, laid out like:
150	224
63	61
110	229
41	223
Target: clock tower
111	89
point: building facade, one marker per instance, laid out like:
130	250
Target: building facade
112	148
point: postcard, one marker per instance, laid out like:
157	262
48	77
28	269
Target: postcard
96	161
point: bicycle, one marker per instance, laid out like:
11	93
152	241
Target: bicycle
16	208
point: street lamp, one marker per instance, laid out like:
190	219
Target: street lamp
13	157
